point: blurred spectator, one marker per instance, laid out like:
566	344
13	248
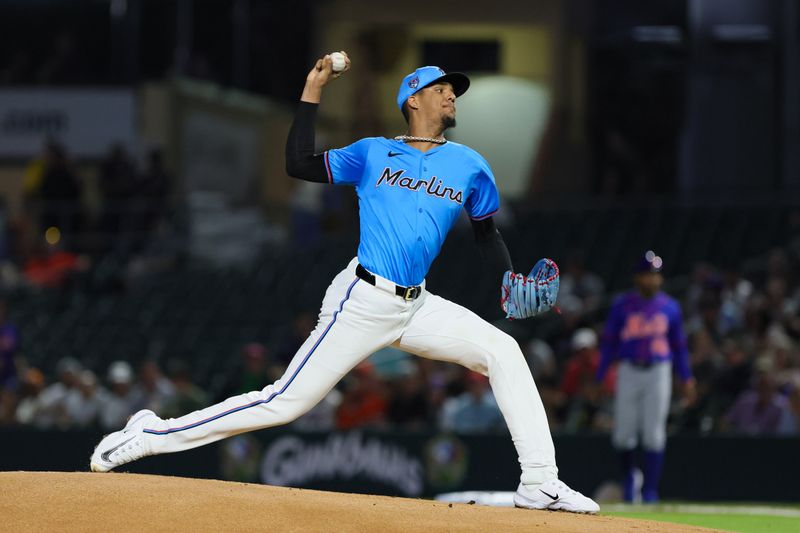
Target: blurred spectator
571	317
51	408
542	363
704	278
736	291
582	364
121	401
733	316
391	363
705	359
52	267
778	265
31	386
708	316
8	405
302	326
757	324
9	348
584	397
154	390
787	370
363	402
150	206
474	411
436	394
117	186
577	281
82	404
790	424
252	373
60	194
733	378
408	406
760	411
154	186
188	397
321	417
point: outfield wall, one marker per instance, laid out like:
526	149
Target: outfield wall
717	468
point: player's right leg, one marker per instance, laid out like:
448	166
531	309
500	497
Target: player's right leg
445	331
627	424
355	320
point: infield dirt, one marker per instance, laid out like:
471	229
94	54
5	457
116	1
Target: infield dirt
81	501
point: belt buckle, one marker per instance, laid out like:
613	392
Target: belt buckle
411	293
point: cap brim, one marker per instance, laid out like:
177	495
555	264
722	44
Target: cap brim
458	80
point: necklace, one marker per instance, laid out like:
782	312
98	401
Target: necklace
411	138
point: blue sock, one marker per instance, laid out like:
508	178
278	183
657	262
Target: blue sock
626	458
653	462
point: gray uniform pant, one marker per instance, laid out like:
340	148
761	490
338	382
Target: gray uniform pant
641	406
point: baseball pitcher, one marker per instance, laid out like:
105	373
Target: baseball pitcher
411	189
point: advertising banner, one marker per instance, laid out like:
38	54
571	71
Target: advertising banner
424	464
87	121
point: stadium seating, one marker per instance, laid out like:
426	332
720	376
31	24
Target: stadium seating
204	314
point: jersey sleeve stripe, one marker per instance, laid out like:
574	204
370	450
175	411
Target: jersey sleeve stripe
328	168
484	217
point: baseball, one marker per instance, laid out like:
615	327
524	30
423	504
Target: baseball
338	61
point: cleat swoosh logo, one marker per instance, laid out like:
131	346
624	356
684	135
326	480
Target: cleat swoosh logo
554	498
106	454
392	154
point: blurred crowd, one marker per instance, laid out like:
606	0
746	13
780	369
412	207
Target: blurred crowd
743	337
113	209
743	334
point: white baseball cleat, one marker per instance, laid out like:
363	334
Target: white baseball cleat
554	495
120	447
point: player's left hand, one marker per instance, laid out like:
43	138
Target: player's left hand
526	296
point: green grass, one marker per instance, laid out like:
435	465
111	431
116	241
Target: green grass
728	522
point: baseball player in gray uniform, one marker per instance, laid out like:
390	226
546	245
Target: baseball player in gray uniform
644	331
411	189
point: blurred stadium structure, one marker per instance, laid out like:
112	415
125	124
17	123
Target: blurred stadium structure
147	218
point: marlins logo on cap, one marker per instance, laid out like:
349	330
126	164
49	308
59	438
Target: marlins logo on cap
424	76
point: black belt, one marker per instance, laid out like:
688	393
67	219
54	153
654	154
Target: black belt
407	293
647	363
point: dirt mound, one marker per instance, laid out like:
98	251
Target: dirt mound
61	501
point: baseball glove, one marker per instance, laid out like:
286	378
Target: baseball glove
523	297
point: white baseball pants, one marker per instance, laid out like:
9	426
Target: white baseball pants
356	320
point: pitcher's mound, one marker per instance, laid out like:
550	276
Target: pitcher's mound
60	501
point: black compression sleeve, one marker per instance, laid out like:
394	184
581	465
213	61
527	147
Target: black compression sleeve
301	161
492	248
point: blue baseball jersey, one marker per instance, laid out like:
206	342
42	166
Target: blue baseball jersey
409	200
645	331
